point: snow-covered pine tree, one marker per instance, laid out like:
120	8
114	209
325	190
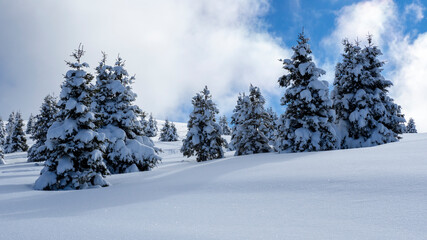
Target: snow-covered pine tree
17	142
76	158
204	133
168	133
236	122
127	149
39	152
1	155
366	115
307	124
271	123
252	130
30	124
151	127
10	125
2	133
224	125
411	128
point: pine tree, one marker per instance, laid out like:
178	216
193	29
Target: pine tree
366	115
39	152
2	133
252	130
168	133
150	128
127	150
411	128
76	159
224	125
306	124
17	142
236	121
1	155
271	123
10	125
30	124
204	134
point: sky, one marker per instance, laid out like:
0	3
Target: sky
175	48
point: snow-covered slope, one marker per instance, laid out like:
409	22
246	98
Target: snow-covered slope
368	193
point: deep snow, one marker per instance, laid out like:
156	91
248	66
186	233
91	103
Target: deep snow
367	193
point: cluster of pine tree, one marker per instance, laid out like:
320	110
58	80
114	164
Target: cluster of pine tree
410	127
95	129
168	132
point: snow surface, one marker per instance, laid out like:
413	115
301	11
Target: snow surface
366	193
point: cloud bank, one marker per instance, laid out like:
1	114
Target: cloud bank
175	48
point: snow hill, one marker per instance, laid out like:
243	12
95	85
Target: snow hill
367	193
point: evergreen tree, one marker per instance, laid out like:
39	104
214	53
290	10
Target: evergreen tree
224	125
168	132
1	155
10	125
204	133
306	124
411	128
366	115
30	124
2	133
39	151
151	127
16	140
251	128
76	159
271	123
236	121
127	150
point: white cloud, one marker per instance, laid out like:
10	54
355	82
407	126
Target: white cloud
415	11
356	21
173	47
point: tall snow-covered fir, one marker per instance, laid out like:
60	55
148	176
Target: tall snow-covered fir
204	134
10	125
224	125
1	155
250	132
127	149
76	158
365	114
410	127
39	151
16	141
168	133
307	124
150	127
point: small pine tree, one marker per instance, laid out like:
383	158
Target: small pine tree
150	128
224	125
236	121
30	124
127	149
2	133
271	123
168	133
204	133
1	155
76	159
411	128
10	125
307	124
17	142
39	152
251	130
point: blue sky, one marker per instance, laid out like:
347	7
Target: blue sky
177	47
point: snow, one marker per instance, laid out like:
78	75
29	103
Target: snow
365	193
